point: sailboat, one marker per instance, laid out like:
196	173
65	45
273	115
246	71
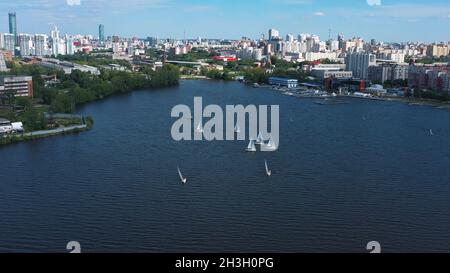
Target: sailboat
270	146
268	172
259	139
183	179
237	130
431	132
199	128
251	146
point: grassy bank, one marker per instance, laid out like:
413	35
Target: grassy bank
16	138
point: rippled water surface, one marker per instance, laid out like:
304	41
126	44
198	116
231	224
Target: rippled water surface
344	175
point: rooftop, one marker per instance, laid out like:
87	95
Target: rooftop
4	121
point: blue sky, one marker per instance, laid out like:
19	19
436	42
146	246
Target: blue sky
385	20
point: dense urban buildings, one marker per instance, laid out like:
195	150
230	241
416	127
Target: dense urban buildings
433	77
438	50
336	58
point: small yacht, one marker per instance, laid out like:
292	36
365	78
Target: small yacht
259	139
183	179
431	132
251	146
237	130
270	145
199	128
268	172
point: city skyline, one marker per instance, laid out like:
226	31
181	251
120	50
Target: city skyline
384	20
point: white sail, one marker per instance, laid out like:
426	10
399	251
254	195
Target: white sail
183	180
237	129
199	128
260	139
268	172
251	146
270	145
431	132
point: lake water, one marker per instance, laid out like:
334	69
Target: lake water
339	180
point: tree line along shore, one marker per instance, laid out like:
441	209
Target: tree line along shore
64	92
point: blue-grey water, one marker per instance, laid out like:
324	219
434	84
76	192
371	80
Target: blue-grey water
338	181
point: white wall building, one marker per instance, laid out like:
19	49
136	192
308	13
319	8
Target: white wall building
70	49
359	64
9	42
314	56
25	45
40	45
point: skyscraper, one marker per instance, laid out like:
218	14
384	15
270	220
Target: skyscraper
25	44
8	42
55	41
69	45
273	34
101	33
13	26
40	45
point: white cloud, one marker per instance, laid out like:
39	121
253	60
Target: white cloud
319	13
374	2
73	2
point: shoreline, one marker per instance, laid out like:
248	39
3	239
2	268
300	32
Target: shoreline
24	137
411	101
414	102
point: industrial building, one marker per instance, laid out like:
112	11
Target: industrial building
19	86
290	83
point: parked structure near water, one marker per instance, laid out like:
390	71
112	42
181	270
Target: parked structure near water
290	83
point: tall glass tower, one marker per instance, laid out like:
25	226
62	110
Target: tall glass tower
13	26
101	33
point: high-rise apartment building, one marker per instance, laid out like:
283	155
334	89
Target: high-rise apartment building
40	45
359	64
388	72
438	50
70	50
25	45
9	42
56	43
